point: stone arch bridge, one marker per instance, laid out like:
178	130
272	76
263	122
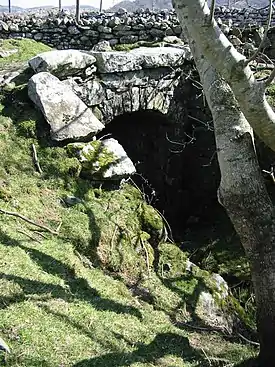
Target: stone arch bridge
148	99
108	83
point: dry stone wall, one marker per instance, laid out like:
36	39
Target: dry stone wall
61	31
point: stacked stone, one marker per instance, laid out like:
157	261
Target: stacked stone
244	17
62	32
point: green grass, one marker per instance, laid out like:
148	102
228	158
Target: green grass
61	301
26	49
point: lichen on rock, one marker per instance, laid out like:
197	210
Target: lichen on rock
102	159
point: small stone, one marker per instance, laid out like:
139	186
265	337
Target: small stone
121	11
102	46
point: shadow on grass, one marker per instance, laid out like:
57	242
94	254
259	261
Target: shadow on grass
78	288
164	344
251	362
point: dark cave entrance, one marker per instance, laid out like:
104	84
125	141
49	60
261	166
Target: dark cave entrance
180	181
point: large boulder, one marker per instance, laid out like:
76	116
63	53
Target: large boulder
141	58
103	159
62	63
67	115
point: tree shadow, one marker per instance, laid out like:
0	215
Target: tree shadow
163	344
190	299
251	362
77	288
80	328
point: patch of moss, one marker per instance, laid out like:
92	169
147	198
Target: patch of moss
151	217
56	162
98	114
95	158
270	92
27	128
172	261
131	46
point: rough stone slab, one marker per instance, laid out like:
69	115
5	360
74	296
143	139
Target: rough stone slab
67	115
62	63
91	93
156	57
141	58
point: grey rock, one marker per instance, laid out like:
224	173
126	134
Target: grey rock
71	200
73	30
67	115
102	46
62	63
113	41
173	40
143	57
38	36
162	56
4	26
113	22
90	92
156	33
103	29
7	53
8	77
121	11
129	39
122	27
14	28
103	159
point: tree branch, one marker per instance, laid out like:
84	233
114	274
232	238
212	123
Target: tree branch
35	159
30	221
230	64
212	11
253	57
269	80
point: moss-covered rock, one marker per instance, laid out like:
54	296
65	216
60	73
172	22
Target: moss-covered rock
102	159
204	297
152	222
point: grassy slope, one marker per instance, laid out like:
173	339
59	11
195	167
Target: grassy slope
56	309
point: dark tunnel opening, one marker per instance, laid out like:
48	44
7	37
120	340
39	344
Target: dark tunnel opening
181	181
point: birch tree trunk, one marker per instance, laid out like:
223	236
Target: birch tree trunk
243	194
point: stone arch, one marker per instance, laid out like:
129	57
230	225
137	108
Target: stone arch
132	91
173	179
